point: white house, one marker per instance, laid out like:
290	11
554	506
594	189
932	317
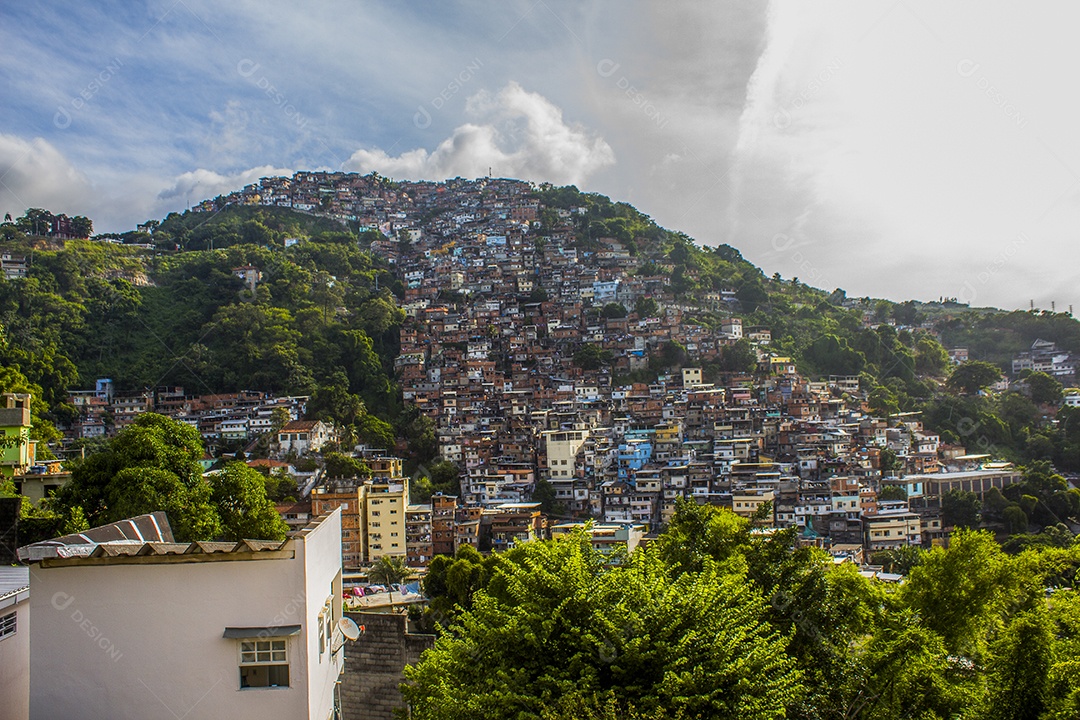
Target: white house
303	436
126	623
15	642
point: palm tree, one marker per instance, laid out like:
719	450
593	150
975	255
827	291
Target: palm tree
389	570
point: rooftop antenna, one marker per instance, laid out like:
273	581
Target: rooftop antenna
1052	308
1032	304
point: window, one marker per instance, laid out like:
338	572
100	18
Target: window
7	625
263	663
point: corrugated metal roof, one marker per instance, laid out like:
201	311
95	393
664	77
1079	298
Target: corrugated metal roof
13	579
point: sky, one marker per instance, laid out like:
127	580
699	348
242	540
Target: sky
902	149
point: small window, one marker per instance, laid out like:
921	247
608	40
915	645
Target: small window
263	663
7	625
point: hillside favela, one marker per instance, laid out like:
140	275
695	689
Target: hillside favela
502	449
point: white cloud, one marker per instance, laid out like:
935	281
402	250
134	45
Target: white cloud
201	184
33	173
518	134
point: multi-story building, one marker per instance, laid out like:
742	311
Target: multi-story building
384	501
443	509
418	535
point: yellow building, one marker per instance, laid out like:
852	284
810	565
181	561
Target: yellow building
561	448
384	501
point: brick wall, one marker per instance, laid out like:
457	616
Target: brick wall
374	665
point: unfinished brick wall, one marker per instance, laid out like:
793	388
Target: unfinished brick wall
374	665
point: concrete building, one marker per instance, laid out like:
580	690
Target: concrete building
15	423
384	501
15	642
605	538
418	541
303	436
127	623
344	494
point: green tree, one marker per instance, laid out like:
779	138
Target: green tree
591	357
389	570
151	465
930	357
960	508
81	226
1045	390
1019	667
558	620
888	462
739	357
960	592
613	310
646	307
339	465
972	376
138	490
238	493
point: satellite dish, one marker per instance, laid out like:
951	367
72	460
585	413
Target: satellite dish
349	628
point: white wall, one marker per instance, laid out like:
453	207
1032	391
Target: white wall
321	555
145	641
15	665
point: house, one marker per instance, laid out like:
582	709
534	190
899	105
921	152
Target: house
15	642
15	424
303	436
127	623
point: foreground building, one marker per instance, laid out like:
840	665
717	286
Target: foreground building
127	623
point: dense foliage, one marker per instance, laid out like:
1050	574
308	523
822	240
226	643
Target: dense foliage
154	465
716	620
321	319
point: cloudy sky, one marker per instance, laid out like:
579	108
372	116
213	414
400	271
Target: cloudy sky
908	149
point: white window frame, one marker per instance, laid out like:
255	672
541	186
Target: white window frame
277	655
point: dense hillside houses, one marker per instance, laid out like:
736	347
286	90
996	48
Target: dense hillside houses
522	344
568	377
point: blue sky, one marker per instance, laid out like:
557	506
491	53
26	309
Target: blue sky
898	149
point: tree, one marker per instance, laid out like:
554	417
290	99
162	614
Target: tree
960	508
388	570
739	357
930	357
1019	667
892	492
82	227
673	354
959	592
556	619
972	376
613	310
151	465
888	462
239	496
591	357
139	490
1015	519
646	307
339	465
1045	390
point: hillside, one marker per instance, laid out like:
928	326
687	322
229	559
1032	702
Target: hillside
158	307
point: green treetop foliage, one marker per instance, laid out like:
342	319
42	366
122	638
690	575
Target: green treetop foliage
153	465
973	376
239	495
557	621
553	628
322	313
